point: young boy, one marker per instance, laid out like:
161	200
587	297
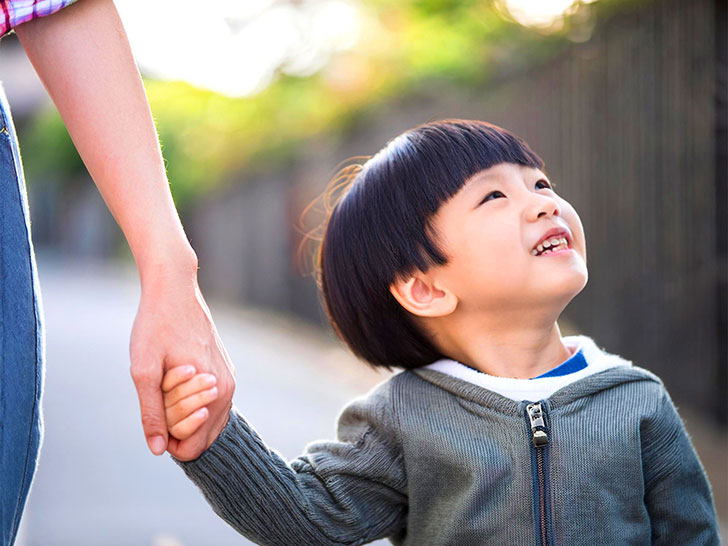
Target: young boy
450	255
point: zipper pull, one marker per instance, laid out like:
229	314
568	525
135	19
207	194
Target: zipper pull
535	415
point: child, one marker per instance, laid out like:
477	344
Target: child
451	256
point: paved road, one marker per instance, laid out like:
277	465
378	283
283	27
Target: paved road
97	484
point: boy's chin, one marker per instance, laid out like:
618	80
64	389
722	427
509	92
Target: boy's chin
561	294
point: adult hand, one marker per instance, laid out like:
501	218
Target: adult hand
173	327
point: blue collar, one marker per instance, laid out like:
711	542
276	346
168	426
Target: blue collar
575	363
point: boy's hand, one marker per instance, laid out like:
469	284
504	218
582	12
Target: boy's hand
186	393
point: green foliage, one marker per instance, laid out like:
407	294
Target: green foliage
49	155
208	138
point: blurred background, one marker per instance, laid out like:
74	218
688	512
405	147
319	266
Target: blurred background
257	103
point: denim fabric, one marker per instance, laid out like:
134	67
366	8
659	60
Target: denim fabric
22	343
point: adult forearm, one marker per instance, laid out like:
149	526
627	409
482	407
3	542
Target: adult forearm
82	55
83	58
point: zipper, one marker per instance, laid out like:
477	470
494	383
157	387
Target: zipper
540	439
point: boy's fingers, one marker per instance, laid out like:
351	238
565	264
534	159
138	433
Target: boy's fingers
198	383
187	427
176	375
185	407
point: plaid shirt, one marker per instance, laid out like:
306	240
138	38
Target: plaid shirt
14	12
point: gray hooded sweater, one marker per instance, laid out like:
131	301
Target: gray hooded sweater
427	459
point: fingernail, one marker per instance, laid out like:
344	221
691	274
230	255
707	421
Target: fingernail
210	379
213	391
156	444
189	370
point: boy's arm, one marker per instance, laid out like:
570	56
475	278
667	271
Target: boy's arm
82	55
351	491
677	492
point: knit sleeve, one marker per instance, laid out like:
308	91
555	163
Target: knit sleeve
15	12
678	496
346	491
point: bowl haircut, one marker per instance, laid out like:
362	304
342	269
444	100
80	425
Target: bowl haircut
379	229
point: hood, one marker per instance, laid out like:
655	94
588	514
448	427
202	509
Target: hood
611	370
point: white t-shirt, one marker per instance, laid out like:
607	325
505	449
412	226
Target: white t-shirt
583	350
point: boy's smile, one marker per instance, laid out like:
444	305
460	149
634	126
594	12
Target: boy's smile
555	240
489	230
494	304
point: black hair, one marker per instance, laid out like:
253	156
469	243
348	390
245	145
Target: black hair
379	229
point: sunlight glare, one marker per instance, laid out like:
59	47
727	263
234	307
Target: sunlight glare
233	47
538	13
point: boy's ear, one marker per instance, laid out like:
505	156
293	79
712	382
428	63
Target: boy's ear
421	296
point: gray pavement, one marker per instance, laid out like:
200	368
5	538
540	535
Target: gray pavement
98	485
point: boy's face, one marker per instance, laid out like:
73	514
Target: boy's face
489	229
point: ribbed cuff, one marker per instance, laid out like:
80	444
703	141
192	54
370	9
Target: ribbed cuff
229	439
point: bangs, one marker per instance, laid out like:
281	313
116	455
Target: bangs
380	230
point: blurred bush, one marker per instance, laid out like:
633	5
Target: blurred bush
414	44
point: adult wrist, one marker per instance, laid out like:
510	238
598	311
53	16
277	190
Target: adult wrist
167	263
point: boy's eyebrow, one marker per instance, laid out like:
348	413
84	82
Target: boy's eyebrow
482	177
479	178
477	181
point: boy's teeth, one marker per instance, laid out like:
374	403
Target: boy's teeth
550	245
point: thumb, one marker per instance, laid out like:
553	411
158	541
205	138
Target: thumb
148	382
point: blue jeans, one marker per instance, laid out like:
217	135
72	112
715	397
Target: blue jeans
22	338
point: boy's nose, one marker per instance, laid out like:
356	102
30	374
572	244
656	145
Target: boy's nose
545	205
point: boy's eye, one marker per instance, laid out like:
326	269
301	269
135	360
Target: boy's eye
486	197
542	181
548	185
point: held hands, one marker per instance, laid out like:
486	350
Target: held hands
186	393
173	328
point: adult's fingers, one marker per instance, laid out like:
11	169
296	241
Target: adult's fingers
191	448
147	377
